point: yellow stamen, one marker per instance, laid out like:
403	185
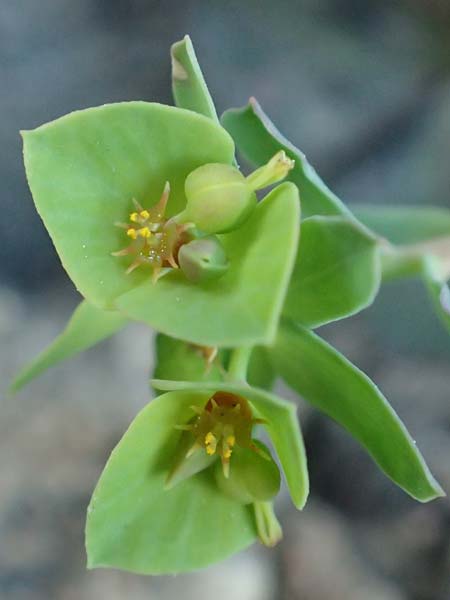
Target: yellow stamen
210	443
144	214
132	233
210	438
145	232
134	217
231	440
227	453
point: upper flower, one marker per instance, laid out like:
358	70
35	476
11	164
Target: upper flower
86	168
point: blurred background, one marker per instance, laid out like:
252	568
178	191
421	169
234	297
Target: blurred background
363	88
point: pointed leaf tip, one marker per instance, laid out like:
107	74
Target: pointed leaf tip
326	379
87	326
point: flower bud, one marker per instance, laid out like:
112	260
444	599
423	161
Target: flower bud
203	259
218	198
253	477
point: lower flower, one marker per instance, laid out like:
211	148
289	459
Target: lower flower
190	483
220	437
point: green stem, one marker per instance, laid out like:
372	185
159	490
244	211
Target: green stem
237	369
267	525
400	264
408	261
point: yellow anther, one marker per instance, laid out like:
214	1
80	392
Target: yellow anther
132	233
144	214
145	232
210	438
227	453
210	443
231	440
134	217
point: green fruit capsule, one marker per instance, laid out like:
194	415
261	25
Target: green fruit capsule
203	259
219	199
252	478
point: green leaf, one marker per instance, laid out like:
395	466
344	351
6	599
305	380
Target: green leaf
405	224
177	360
134	523
282	427
260	370
258	140
243	307
330	382
437	288
87	326
337	272
84	169
188	84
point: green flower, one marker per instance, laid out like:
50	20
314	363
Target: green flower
163	175
190	483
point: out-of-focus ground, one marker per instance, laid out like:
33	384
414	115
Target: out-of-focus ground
363	87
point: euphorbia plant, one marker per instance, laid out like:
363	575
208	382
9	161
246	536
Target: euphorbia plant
154	222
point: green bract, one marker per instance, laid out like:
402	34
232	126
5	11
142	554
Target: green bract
114	154
85	169
336	274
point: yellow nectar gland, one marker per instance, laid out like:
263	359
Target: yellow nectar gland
155	239
225	421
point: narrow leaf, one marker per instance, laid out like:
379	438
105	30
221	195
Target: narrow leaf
87	326
330	382
258	140
135	523
336	274
282	427
188	84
